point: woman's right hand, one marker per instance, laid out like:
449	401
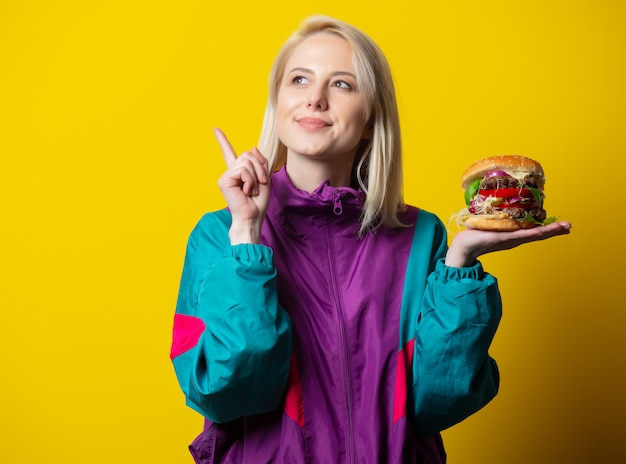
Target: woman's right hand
245	186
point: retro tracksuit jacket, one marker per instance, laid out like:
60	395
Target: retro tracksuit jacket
320	347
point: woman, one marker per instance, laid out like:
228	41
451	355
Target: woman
319	318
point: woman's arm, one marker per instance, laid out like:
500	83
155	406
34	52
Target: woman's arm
453	374
232	341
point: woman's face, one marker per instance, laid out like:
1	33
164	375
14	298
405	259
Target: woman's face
320	112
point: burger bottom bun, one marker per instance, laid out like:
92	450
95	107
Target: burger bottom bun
496	223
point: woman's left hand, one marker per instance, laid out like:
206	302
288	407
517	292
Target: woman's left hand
468	245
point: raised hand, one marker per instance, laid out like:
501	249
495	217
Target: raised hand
468	245
245	186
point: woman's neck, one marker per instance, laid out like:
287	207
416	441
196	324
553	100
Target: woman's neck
307	174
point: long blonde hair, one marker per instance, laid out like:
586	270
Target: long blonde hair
378	162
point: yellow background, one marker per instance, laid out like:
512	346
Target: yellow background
107	161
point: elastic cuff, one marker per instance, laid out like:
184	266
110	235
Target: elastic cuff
474	272
251	252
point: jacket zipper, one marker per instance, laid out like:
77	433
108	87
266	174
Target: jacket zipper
337	205
338	209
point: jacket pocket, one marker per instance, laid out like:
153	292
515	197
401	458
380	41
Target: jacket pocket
203	447
217	444
272	438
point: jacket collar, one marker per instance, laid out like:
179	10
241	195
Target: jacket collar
339	206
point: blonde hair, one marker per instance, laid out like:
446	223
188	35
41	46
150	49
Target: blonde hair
378	162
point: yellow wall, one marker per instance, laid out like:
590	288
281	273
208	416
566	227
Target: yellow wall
107	160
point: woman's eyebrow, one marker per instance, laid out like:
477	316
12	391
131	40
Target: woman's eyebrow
310	71
304	70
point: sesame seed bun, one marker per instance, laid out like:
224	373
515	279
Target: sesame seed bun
515	165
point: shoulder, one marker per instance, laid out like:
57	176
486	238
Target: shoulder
211	230
420	218
429	232
219	218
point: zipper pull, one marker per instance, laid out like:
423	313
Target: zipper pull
338	207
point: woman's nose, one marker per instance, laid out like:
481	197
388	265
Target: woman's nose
317	100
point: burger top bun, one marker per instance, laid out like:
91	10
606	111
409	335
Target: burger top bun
514	165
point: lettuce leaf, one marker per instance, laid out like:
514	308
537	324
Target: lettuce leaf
471	190
546	221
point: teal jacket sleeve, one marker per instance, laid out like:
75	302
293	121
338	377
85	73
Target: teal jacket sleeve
453	375
231	340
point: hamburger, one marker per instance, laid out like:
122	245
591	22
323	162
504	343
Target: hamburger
504	193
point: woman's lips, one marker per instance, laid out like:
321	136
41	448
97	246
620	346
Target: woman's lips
313	123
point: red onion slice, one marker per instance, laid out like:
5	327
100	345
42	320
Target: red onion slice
496	172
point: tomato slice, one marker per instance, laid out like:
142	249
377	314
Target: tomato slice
506	193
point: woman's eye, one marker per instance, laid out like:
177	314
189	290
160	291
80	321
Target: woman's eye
299	80
343	85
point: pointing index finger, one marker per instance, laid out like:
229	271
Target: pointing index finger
228	152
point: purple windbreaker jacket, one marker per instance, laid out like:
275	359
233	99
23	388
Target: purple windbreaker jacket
321	347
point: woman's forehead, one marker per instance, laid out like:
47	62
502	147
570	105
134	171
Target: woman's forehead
322	45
